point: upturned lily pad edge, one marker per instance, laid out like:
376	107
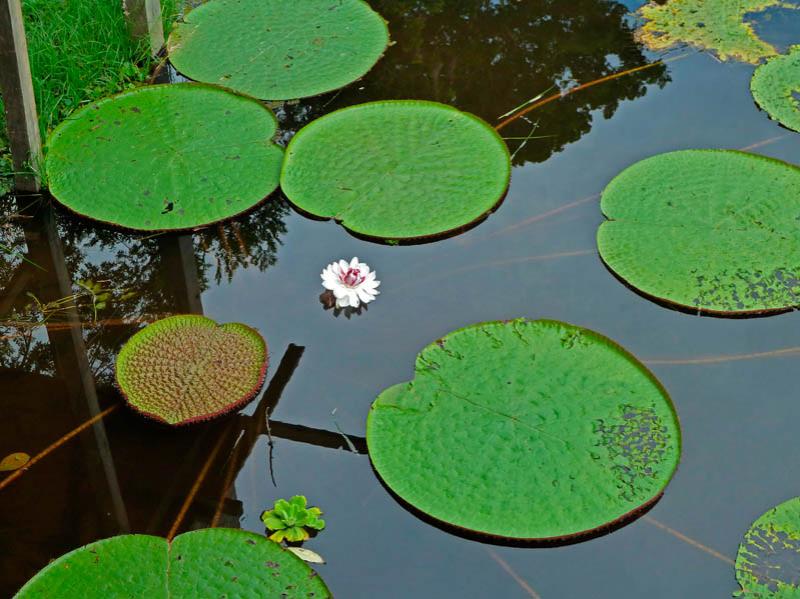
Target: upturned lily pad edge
419	239
66	556
558	540
168	45
228	409
675	305
755	93
57	130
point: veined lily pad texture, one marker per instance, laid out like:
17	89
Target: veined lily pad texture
187	368
716	25
279	50
215	562
526	430
776	88
768	562
714	231
165	157
400	170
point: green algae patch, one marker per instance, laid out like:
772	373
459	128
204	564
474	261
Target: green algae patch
187	368
397	171
165	157
274	50
717	25
204	563
776	88
713	231
527	430
768	561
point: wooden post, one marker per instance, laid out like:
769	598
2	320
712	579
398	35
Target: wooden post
16	88
144	17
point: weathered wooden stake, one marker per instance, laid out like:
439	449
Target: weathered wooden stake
16	88
144	17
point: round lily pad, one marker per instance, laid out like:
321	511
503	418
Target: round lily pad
165	157
204	563
274	50
714	231
528	430
768	562
402	170
183	369
776	88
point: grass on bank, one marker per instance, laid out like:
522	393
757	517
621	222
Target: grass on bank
80	51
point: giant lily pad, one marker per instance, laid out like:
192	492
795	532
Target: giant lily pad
708	230
397	170
279	50
204	563
187	368
768	562
716	25
534	430
776	85
165	157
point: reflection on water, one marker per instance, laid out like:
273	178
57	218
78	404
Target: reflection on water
534	257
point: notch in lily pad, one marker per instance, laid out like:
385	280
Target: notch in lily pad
709	231
530	431
768	561
187	368
399	171
215	562
274	50
165	157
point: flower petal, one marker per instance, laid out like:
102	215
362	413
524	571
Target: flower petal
339	292
343	266
343	302
354	263
365	296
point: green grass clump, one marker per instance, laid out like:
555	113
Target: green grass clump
80	51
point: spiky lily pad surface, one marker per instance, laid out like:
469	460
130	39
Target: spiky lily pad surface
716	25
525	429
709	230
165	157
279	50
775	86
188	368
768	562
398	170
204	563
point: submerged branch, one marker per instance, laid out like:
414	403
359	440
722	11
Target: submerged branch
53	446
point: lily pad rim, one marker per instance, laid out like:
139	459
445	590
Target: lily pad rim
64	556
671	304
57	130
389	43
791	49
419	239
228	409
558	540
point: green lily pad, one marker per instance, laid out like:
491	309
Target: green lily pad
402	170
708	230
768	562
204	563
274	50
165	157
775	85
187	368
716	25
529	430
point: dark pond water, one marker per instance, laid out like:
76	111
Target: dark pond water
534	257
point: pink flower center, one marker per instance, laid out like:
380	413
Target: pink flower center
351	277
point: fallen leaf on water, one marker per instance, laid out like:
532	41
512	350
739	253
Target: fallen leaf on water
307	555
14	461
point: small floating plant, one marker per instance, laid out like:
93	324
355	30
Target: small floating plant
292	520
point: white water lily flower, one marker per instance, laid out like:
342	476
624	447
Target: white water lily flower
352	284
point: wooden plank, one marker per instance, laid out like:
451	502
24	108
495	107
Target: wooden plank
144	18
16	88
